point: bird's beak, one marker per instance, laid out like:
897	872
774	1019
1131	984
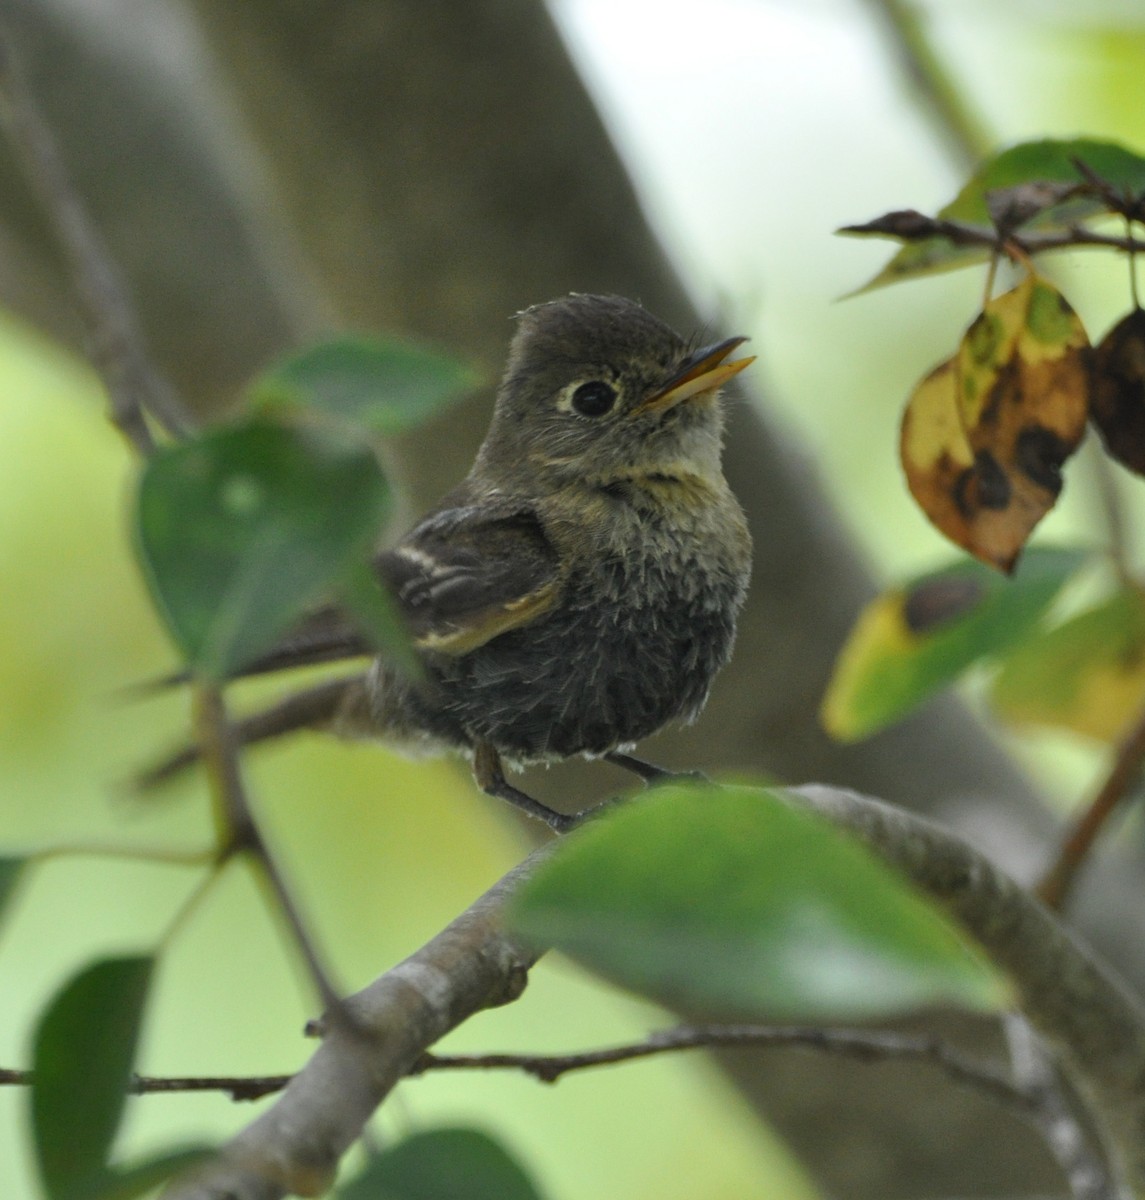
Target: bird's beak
701	373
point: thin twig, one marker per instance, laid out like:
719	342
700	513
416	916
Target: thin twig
134	386
239	831
1055	887
239	1087
165	855
1039	1101
860	1044
959	126
907	225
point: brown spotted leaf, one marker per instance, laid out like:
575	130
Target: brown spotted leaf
985	434
1117	397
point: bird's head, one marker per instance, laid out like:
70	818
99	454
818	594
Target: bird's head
597	387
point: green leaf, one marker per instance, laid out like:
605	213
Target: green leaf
1087	674
84	1049
442	1164
1048	160
733	903
913	640
379	617
242	529
385	386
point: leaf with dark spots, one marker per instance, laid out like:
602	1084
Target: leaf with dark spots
1117	400
984	435
991	487
915	639
1040	454
939	599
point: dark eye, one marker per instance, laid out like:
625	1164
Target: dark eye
593	399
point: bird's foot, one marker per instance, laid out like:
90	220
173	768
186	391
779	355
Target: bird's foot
491	780
650	773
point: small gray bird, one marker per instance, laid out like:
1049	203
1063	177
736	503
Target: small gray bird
579	589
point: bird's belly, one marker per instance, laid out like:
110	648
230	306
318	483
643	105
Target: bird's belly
598	671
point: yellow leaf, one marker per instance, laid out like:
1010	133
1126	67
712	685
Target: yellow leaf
1087	674
914	640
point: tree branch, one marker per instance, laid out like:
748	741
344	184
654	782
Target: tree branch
1036	1100
862	1044
1092	1022
908	225
1086	1170
116	344
295	1145
239	831
1094	1025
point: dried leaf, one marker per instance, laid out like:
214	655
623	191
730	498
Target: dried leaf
1117	398
985	434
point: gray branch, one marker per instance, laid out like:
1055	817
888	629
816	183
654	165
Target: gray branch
294	1147
1094	1026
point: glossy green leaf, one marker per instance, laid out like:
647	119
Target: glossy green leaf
385	386
913	640
243	529
730	902
1048	160
1087	674
84	1049
442	1164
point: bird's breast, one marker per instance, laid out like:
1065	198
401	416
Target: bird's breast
644	620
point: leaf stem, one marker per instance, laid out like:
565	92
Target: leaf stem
1057	884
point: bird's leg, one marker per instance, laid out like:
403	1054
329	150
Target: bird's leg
491	780
649	772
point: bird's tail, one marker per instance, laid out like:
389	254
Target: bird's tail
326	705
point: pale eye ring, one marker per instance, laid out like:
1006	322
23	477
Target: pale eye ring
594	398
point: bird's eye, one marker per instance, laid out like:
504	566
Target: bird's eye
594	399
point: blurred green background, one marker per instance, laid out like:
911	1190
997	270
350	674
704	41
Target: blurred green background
384	852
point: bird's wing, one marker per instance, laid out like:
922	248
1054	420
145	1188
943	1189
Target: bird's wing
463	575
468	573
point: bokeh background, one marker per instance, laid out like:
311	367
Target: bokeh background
753	129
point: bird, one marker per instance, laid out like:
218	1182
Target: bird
579	589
